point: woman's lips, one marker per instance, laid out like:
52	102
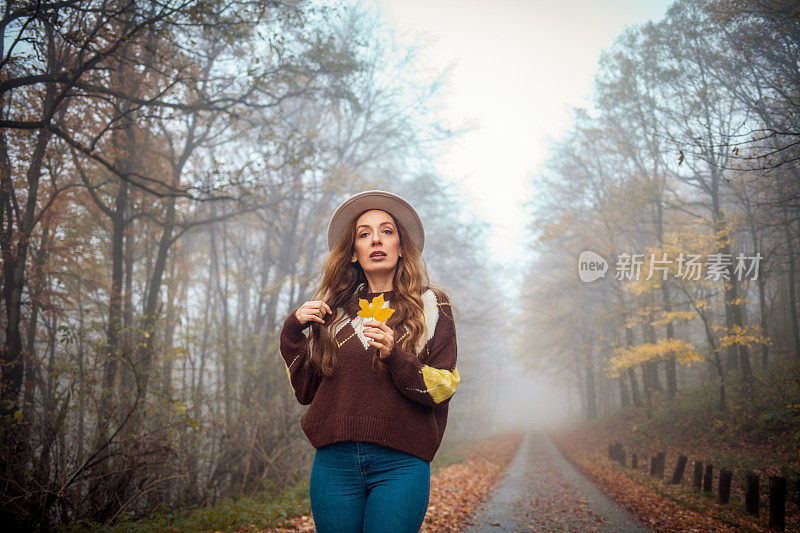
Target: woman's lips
377	256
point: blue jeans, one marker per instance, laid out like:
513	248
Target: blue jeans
365	487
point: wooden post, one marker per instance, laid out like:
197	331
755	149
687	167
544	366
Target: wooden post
777	502
725	477
661	460
797	486
697	478
751	501
615	452
634	461
653	464
707	478
677	474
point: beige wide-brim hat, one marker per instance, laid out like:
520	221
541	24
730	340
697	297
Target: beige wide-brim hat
402	211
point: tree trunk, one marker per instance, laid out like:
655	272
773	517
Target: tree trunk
153	298
624	398
123	143
115	325
721	377
670	362
37	280
637	399
591	392
650	368
12	360
222	291
737	354
169	329
794	324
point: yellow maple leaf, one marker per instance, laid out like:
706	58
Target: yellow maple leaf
375	310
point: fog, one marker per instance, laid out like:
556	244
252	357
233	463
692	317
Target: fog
169	169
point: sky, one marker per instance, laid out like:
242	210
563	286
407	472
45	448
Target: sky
518	68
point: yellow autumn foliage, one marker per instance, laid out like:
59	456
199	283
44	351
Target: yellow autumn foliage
642	315
625	358
668	318
745	336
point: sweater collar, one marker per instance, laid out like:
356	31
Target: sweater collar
362	291
387	295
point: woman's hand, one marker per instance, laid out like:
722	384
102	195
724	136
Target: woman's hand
382	337
312	310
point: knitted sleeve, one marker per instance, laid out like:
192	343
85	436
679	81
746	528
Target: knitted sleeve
434	382
304	381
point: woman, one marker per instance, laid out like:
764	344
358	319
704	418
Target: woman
378	368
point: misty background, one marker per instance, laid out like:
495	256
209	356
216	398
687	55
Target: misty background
168	170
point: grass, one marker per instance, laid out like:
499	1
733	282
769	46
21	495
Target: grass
264	510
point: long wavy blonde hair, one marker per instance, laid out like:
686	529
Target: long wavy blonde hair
340	280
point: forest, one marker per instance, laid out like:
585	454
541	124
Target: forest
684	177
168	168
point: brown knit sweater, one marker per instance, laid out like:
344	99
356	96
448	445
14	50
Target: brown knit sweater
406	409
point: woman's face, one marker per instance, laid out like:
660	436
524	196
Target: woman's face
377	245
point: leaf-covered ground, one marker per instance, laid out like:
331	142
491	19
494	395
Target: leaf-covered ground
667	507
758	431
456	490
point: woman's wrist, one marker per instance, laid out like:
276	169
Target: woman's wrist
293	323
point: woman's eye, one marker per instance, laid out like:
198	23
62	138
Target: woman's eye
363	235
387	231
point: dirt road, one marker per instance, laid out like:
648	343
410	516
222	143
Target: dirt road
542	491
